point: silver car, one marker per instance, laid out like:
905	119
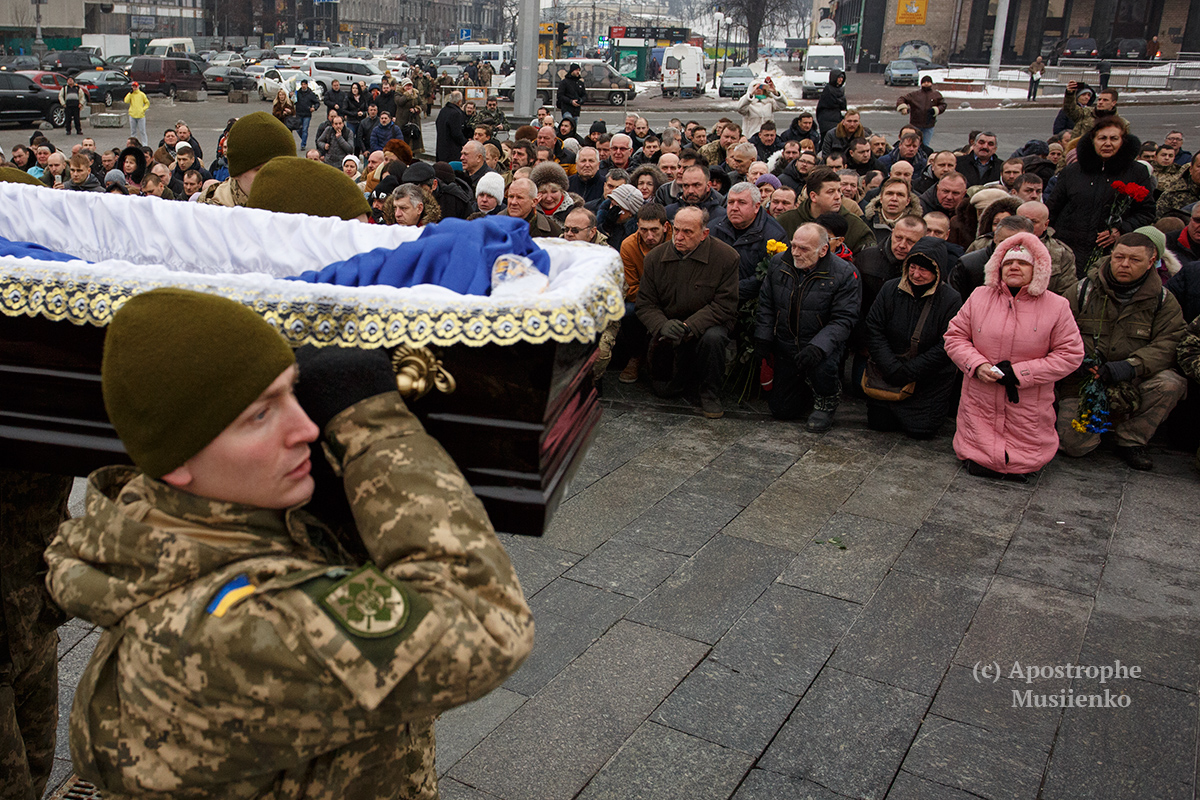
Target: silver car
735	81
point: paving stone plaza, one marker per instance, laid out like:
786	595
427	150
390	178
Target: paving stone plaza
740	609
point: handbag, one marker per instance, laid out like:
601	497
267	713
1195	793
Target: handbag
876	386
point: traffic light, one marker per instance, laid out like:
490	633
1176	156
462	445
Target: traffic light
562	33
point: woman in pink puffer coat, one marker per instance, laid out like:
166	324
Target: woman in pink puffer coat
1012	339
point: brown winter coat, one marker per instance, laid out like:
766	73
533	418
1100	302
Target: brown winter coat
700	288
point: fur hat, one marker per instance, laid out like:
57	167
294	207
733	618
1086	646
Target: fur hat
491	184
549	172
985	197
1025	246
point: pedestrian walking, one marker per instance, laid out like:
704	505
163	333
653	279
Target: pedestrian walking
138	103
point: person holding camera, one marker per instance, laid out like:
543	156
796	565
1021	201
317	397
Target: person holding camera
759	105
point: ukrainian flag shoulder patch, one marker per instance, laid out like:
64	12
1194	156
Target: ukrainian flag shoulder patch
229	594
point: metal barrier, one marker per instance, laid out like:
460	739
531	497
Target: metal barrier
1125	74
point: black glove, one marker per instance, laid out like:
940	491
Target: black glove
762	350
1111	372
809	357
1009	382
899	376
673	330
334	378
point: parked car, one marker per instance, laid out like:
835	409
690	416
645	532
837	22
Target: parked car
22	101
71	62
900	72
52	81
227	59
602	83
275	79
166	75
1075	47
257	55
120	62
222	79
735	81
18	63
1130	49
325	70
924	64
105	86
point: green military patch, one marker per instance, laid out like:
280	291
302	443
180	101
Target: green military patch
367	604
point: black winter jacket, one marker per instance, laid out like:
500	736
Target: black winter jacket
970	170
751	246
569	89
794	134
1083	195
306	103
714	204
450	136
969	272
818	306
832	105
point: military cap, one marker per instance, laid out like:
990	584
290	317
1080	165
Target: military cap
292	185
255	139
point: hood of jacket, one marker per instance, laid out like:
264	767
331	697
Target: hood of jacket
931	252
140	539
1042	266
1091	163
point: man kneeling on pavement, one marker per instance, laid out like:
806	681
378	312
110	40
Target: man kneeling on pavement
687	300
808	305
1131	327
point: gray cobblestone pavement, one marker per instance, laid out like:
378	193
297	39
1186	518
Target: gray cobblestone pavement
740	609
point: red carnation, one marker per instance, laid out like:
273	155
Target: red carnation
1118	186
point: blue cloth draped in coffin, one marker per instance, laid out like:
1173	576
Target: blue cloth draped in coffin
31	250
452	253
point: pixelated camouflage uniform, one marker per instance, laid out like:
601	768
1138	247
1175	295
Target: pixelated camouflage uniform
226	193
493	117
1188	354
32	506
1177	192
278	695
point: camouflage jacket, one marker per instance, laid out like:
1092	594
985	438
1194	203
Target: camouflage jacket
32	506
239	661
485	116
226	193
1189	351
1177	192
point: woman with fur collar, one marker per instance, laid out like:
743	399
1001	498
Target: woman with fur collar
1083	194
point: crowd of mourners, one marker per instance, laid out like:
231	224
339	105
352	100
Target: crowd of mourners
1044	298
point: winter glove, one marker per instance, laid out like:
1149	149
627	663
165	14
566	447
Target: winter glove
902	108
1009	382
1111	372
809	357
933	112
673	330
899	376
334	378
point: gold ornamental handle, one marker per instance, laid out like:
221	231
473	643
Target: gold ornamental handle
418	371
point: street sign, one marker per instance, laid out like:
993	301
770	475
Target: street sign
850	30
464	34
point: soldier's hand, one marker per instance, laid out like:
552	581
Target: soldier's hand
334	378
1111	372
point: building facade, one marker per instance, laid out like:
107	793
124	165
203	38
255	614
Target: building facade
958	30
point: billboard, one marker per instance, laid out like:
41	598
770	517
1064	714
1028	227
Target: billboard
911	12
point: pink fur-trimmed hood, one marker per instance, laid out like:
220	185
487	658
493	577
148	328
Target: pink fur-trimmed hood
1041	262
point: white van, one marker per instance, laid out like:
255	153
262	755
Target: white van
823	57
324	70
166	47
682	68
494	54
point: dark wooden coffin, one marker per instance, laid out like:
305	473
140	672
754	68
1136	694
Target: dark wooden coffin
517	422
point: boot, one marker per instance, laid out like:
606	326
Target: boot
630	373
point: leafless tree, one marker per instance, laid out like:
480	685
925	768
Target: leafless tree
758	16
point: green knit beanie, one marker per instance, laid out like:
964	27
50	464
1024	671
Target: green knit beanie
292	185
14	175
179	367
254	140
1155	235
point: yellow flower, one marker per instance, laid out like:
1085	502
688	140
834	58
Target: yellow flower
774	247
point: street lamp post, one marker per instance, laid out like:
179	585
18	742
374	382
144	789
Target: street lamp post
719	17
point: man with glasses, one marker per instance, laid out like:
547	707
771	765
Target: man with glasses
981	164
1175	140
620	151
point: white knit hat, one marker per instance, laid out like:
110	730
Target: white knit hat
491	184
